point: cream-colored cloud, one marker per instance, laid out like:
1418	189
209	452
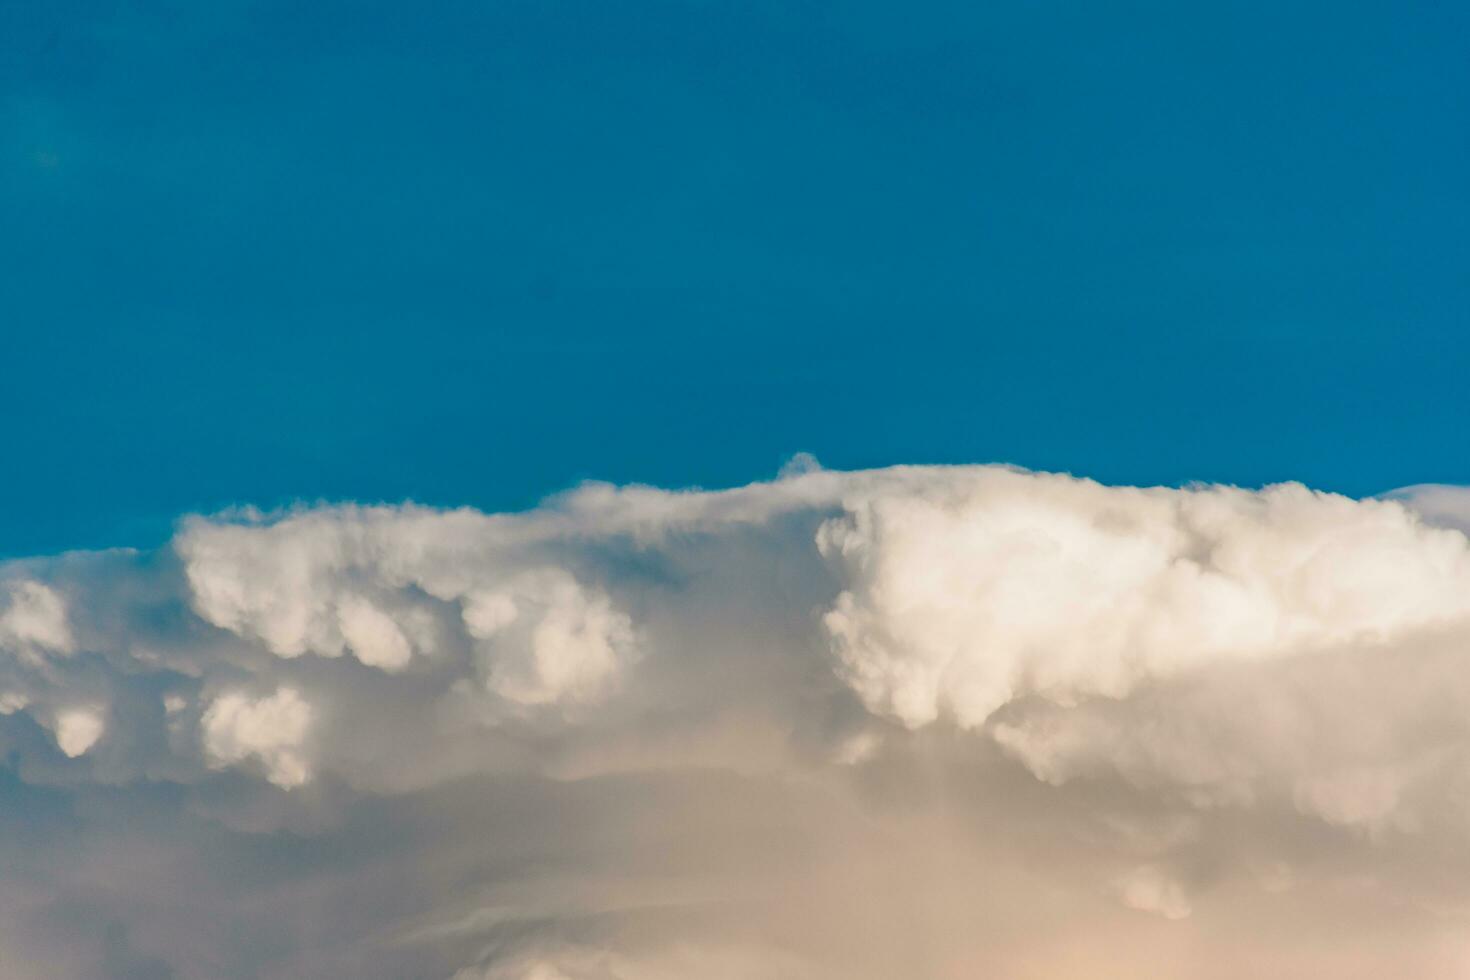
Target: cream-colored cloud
33	619
77	730
295	584
372	635
937	722
964	593
1149	889
272	729
571	646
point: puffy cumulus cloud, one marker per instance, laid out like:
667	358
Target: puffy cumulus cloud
923	721
291	583
77	730
1371	739
968	594
33	619
573	641
372	634
382	582
271	729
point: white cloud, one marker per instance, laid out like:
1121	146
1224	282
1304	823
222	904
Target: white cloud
573	646
965	594
271	729
77	730
923	721
33	619
294	584
372	634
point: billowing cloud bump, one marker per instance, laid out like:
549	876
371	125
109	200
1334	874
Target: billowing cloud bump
377	583
966	594
270	729
33	619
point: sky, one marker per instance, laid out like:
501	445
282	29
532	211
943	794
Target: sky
258	252
539	490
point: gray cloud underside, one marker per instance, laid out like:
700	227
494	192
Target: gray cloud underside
917	722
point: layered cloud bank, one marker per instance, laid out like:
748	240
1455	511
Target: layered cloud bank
918	722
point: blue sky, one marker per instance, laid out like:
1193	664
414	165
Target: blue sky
261	252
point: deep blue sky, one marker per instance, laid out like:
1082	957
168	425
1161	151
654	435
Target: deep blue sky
475	252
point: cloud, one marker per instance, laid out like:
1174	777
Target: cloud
972	593
372	634
921	721
379	583
77	731
235	728
1149	889
573	643
33	620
